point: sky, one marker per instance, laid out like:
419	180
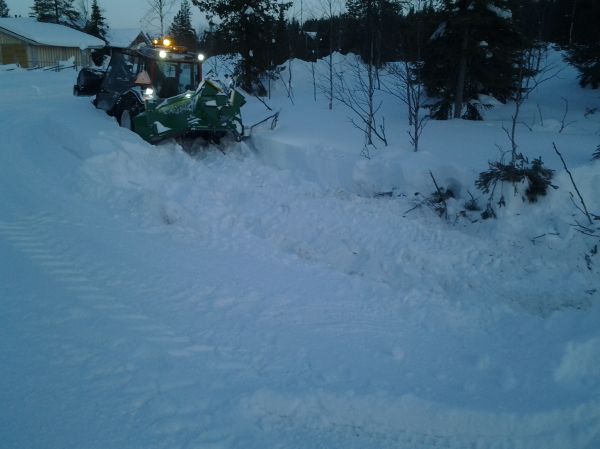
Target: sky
129	13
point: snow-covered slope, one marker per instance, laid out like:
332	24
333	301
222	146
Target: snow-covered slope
264	298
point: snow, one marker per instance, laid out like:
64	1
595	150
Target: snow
264	296
50	33
160	128
501	13
439	32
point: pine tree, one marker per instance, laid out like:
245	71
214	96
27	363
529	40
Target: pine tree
475	50
249	25
96	26
587	60
181	29
377	21
56	11
3	9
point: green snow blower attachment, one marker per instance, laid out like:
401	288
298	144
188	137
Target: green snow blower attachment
157	91
206	111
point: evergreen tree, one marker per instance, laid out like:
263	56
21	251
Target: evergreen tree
249	25
96	26
587	60
181	29
56	11
376	22
476	50
3	9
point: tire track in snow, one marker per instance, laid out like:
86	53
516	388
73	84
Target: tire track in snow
137	354
324	419
27	234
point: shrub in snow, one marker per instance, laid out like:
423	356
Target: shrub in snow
471	204
441	201
534	176
596	154
438	201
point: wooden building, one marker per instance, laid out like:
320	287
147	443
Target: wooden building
29	44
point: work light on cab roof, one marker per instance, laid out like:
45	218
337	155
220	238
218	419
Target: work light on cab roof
167	44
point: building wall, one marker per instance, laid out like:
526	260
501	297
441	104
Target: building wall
45	56
12	51
15	51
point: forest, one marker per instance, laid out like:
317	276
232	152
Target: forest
456	49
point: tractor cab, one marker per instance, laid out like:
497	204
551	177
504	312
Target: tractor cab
164	69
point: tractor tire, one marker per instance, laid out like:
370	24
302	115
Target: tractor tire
126	110
126	119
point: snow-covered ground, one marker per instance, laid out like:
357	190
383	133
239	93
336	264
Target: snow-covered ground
265	296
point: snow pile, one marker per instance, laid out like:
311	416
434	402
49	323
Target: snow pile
9	67
502	13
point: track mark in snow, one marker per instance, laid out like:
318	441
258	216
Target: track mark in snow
33	236
168	339
191	350
407	422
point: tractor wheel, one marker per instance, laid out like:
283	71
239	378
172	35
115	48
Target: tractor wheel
239	130
126	119
127	109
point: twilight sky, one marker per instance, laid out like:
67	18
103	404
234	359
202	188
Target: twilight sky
129	13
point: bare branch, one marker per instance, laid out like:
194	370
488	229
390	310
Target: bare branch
360	100
564	125
587	214
441	195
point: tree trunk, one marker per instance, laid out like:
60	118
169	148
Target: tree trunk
330	55
572	26
462	74
161	16
370	72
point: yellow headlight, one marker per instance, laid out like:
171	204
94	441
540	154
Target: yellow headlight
167	42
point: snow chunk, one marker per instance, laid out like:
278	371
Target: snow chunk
49	33
502	13
439	32
580	365
160	128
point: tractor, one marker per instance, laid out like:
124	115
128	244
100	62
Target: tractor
158	92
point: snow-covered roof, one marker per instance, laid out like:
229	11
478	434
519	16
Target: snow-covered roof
122	37
50	34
